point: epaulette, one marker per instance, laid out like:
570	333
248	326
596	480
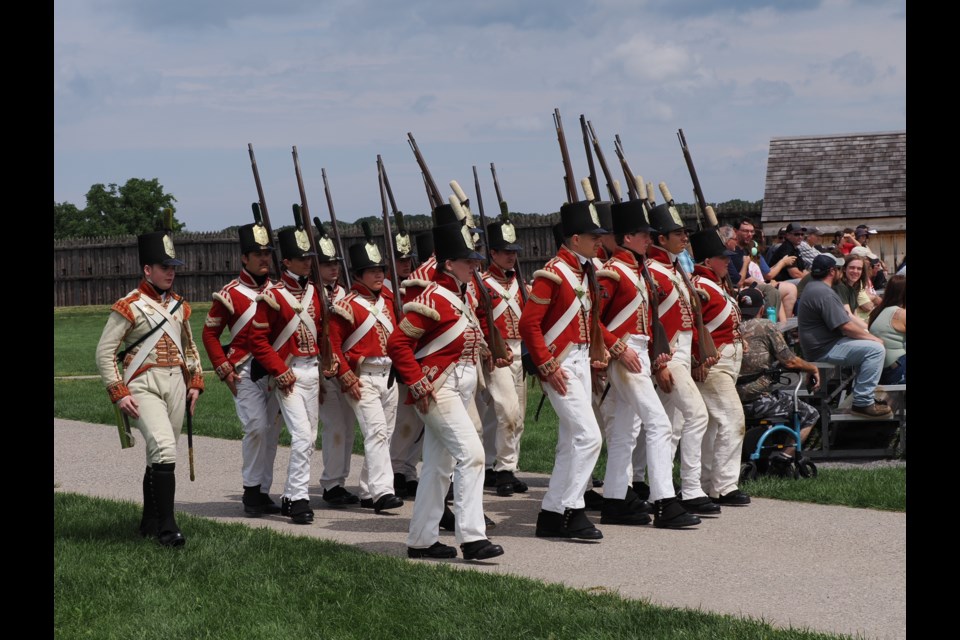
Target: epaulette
269	299
415	282
609	273
343	309
122	306
225	300
422	309
549	275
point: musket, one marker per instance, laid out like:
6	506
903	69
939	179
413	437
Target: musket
388	237
594	183
614	192
498	346
483	218
193	475
698	192
706	346
661	345
569	181
336	229
301	217
433	192
397	215
260	215
504	215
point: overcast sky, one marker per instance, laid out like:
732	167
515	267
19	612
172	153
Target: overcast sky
175	89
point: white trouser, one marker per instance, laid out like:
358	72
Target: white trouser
578	437
299	410
635	402
723	441
406	445
688	415
504	403
161	395
336	435
376	412
259	413
451	444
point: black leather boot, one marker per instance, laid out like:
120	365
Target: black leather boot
252	502
164	484
148	523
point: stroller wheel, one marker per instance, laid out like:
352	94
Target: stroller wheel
807	469
748	471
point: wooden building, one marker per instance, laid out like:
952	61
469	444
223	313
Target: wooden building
839	181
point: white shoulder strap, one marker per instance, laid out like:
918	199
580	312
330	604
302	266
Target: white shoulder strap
580	300
375	313
727	308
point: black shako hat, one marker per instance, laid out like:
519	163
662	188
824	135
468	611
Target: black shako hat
629	217
454	242
604	214
424	245
254	237
580	217
707	244
294	243
664	219
502	236
157	248
364	255
326	248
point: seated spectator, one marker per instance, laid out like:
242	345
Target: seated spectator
748	268
763	346
902	269
815	239
793	236
888	321
828	333
855	287
847	241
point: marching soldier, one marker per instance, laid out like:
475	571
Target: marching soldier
556	327
233	308
284	339
723	441
161	376
675	385
359	331
632	399
406	444
336	415
436	350
505	397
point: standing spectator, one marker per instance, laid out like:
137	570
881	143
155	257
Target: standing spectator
888	321
829	333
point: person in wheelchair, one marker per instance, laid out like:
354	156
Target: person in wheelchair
764	349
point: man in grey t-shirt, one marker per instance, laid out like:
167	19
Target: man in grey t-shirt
829	334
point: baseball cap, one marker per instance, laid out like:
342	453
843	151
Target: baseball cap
794	227
750	301
863	252
823	263
815	231
863	230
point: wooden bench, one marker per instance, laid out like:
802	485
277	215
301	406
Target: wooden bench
833	403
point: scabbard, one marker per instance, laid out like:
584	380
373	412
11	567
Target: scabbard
190	443
123	428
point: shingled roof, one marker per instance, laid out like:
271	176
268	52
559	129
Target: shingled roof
844	178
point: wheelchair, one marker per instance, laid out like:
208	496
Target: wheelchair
766	438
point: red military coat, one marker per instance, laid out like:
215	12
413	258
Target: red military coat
625	305
721	313
233	308
548	327
359	329
672	294
439	329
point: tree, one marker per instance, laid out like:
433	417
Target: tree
134	208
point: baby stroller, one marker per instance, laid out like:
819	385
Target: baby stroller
766	438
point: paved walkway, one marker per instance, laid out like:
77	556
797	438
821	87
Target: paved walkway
826	568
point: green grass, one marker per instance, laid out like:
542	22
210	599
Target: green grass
232	581
882	488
